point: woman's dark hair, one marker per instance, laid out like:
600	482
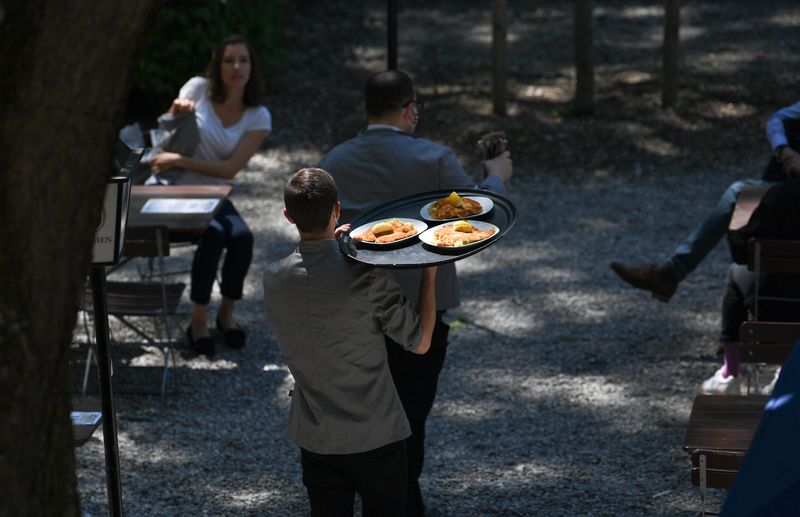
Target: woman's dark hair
385	92
309	197
253	88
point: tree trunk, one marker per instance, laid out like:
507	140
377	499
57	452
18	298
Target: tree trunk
66	72
669	93
584	68
499	58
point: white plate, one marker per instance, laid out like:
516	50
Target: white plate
485	202
418	225
428	238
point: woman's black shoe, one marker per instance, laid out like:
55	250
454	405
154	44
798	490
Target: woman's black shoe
234	337
203	346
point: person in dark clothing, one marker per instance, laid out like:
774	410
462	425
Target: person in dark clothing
330	316
776	217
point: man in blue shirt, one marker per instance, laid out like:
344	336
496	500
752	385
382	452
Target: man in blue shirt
662	279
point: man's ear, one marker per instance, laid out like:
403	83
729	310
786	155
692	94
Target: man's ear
337	210
287	216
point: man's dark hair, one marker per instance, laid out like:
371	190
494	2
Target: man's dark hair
253	88
386	92
309	197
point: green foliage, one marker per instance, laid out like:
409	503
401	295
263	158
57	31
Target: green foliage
179	44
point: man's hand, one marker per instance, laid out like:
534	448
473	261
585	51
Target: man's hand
164	161
790	160
180	106
500	166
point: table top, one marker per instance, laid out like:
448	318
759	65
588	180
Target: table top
414	253
82	433
181	226
748	200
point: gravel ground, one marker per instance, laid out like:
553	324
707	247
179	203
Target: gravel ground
564	392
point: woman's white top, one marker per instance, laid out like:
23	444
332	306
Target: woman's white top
217	142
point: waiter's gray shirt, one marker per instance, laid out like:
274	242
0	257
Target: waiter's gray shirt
330	316
382	164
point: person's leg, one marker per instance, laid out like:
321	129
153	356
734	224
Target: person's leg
239	245
662	279
331	491
708	233
381	477
204	271
416	379
738	286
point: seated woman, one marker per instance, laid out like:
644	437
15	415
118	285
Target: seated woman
232	124
775	218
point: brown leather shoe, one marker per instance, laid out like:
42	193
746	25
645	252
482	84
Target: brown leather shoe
648	278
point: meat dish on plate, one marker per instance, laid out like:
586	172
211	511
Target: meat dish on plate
454	206
460	233
385	232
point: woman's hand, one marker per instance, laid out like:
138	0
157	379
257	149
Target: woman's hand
180	106
165	161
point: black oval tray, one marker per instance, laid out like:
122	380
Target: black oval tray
414	253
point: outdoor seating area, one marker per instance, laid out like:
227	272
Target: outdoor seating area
432	259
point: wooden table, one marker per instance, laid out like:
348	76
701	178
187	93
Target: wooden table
82	433
182	227
748	200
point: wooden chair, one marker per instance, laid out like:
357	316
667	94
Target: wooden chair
770	342
154	298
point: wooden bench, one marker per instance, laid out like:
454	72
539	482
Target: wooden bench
720	431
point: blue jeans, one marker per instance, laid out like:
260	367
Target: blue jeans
702	240
226	231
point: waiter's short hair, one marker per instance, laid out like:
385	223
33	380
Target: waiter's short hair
385	92
309	196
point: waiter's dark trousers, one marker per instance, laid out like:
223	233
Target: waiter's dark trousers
379	476
416	377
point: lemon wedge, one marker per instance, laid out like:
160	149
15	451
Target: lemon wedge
463	227
454	199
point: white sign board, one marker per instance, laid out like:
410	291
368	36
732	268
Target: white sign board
105	238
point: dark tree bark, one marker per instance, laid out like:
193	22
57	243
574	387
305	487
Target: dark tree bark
669	92
499	57
584	67
66	70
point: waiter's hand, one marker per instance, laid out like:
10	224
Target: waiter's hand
790	160
500	166
338	232
180	106
164	161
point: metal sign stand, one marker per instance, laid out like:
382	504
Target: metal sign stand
113	484
109	240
